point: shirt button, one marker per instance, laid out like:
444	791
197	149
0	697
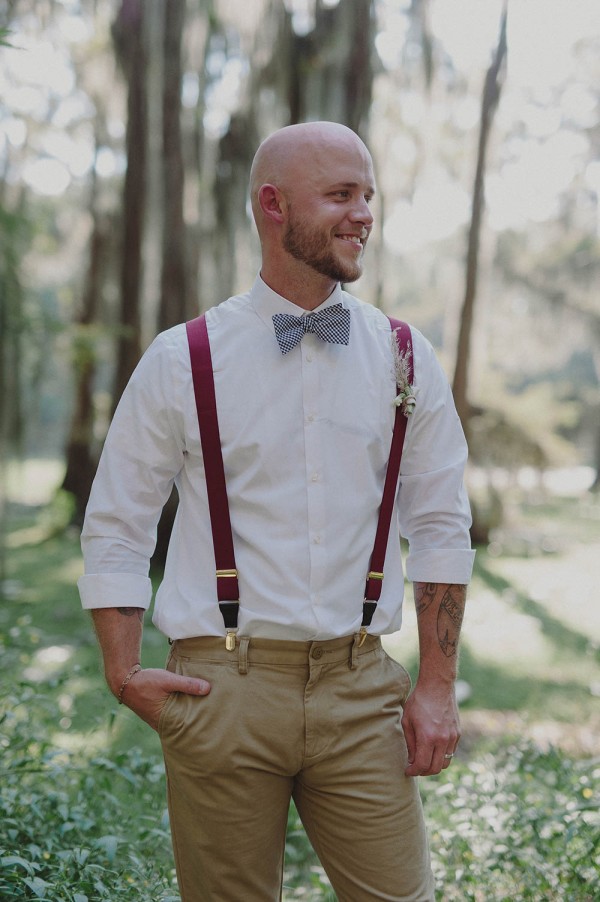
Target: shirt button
315	477
317	540
309	358
317	653
311	418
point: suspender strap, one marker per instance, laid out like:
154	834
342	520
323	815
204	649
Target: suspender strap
228	592
375	575
226	573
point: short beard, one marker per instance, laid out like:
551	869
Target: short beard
308	248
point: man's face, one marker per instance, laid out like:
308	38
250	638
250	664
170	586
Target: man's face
329	220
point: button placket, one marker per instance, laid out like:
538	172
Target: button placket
315	489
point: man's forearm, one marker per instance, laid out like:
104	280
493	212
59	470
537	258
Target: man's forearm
440	608
430	720
119	632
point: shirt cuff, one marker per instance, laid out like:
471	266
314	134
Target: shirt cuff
436	565
114	590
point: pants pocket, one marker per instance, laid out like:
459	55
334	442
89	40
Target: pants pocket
401	676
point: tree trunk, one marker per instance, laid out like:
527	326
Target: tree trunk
173	298
489	103
80	461
128	36
173	307
329	71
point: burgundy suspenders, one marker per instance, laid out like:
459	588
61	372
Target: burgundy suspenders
228	593
375	574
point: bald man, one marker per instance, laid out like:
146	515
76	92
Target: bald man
295	699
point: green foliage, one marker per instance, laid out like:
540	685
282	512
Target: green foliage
521	825
82	796
77	827
5	34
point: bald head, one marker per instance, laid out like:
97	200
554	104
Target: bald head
287	156
311	187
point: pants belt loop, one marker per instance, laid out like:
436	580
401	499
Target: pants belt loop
243	665
354	652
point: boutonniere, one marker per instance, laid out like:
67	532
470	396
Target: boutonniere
405	397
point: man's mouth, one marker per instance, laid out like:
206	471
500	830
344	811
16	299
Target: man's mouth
357	240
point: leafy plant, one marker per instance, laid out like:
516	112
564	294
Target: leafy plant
521	824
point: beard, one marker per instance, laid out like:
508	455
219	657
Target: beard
314	249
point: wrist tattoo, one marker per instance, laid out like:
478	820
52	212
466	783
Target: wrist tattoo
130	612
449	620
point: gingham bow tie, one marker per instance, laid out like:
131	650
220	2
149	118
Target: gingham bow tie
331	324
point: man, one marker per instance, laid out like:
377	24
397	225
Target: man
300	706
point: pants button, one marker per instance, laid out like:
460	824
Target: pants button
317	653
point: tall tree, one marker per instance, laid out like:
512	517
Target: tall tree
329	70
80	459
489	103
130	47
174	306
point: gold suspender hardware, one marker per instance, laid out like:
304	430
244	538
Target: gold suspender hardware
230	640
362	635
231	574
373	574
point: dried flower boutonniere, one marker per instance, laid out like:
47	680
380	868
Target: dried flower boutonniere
405	397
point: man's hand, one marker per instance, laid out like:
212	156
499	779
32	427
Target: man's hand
119	632
431	729
148	690
430	719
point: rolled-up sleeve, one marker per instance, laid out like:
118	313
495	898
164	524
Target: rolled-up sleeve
142	455
433	505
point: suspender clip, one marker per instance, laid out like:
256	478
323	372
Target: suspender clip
362	635
230	640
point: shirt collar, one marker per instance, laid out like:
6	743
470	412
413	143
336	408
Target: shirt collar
267	302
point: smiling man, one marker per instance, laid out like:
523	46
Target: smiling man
276	685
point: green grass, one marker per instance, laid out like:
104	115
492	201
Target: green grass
82	808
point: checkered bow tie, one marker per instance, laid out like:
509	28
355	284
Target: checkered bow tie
331	324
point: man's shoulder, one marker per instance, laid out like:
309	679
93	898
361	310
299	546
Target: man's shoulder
372	316
364	310
229	309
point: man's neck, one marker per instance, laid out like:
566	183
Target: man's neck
307	289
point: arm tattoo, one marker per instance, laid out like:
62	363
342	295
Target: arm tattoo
129	612
425	593
449	621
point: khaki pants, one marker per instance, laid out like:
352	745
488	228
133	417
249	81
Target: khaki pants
316	721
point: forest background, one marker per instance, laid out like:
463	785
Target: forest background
127	130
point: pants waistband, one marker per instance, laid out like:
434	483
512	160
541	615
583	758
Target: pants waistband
277	651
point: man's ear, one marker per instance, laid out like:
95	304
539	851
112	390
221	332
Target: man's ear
272	203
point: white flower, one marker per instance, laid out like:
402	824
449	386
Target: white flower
405	397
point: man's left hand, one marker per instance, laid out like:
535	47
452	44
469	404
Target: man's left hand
431	728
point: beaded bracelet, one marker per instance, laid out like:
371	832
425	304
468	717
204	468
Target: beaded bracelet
135	669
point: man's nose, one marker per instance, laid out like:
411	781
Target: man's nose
361	212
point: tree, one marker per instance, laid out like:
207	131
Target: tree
128	37
489	103
174	301
80	459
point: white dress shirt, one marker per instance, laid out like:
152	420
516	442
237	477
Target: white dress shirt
305	439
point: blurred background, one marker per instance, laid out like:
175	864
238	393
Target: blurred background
126	135
127	130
